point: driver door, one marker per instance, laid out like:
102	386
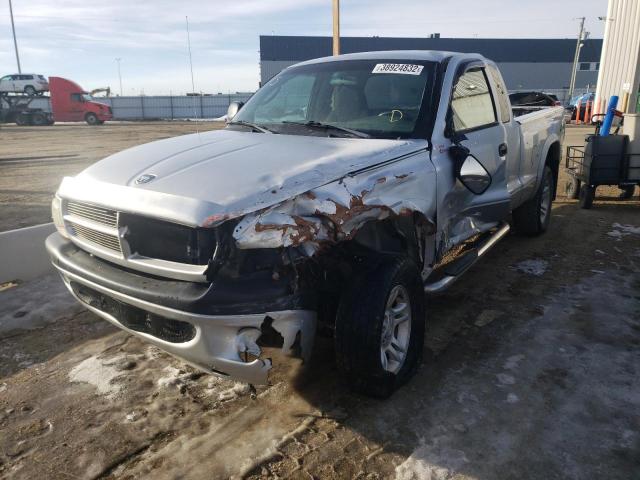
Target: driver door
473	119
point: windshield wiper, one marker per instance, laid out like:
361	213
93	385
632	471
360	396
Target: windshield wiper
259	128
328	126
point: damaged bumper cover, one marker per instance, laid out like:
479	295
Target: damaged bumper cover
216	343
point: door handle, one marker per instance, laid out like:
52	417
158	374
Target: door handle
502	149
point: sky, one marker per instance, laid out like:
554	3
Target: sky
80	40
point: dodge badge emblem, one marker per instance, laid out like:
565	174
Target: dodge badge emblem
146	178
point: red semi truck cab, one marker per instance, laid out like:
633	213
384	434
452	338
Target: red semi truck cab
70	103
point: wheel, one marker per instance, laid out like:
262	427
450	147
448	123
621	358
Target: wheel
29	90
39	119
533	216
587	193
23	119
91	118
380	328
573	188
627	192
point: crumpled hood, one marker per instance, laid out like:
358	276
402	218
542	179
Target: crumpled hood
241	172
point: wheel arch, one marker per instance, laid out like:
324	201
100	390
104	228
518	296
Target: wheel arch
551	154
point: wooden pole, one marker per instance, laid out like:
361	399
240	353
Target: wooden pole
336	27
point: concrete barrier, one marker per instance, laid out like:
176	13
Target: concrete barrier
22	253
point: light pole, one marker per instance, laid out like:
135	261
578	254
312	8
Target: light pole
15	42
119	74
336	27
576	57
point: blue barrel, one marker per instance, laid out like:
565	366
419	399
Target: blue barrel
608	118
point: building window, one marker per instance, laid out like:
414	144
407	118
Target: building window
597	65
585	66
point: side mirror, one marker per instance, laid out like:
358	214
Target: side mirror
474	176
233	109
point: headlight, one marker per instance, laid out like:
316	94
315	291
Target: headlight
56	214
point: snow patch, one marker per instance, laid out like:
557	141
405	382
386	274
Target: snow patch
174	378
431	462
512	362
512	398
505	379
622	230
237	390
99	373
534	267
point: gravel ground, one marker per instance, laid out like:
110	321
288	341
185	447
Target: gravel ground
531	372
33	160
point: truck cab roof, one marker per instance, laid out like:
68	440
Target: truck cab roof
419	55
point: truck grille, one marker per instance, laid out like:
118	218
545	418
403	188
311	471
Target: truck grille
95	214
94	236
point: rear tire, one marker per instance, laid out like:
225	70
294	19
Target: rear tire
23	119
29	90
587	194
573	188
39	119
91	119
380	328
533	217
627	192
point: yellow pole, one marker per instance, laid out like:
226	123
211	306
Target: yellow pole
336	27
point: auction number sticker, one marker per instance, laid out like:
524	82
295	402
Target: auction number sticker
402	68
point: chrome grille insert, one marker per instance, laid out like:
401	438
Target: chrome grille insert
102	239
95	214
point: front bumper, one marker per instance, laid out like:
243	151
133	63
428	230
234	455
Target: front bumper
216	344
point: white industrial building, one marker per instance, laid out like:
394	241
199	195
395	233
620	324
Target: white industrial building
620	62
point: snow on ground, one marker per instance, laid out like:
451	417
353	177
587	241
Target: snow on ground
536	267
100	373
622	230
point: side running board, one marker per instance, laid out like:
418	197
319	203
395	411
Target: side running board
453	271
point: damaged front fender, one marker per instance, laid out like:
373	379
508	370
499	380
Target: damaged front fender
338	210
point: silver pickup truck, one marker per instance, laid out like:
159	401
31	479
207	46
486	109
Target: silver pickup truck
343	191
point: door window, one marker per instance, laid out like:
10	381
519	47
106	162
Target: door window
501	93
76	97
471	104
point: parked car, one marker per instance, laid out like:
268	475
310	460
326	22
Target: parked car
582	100
343	190
533	99
29	83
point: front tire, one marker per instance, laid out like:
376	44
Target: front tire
533	217
29	90
91	119
380	328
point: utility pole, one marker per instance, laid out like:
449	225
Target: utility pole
15	42
193	85
576	57
336	27
119	74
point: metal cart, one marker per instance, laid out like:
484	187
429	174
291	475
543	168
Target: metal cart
604	160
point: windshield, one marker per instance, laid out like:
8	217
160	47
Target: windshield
87	97
382	99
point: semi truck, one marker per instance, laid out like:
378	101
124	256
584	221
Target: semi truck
344	191
67	102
